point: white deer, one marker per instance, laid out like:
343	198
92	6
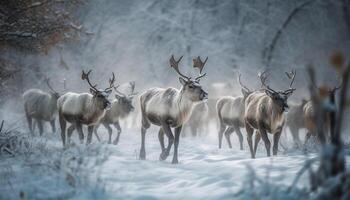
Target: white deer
170	108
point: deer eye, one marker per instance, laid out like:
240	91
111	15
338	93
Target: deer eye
191	86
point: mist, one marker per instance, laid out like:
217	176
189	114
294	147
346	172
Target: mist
133	39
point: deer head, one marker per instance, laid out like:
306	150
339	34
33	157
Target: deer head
279	97
100	95
125	100
191	87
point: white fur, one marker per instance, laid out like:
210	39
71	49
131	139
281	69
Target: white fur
83	104
180	107
40	105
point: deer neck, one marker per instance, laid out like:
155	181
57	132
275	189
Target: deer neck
53	103
184	105
277	117
94	108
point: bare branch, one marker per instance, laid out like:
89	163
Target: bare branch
268	52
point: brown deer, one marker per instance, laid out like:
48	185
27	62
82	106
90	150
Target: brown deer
83	109
309	114
264	112
171	108
230	111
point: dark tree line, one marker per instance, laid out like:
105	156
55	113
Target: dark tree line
33	27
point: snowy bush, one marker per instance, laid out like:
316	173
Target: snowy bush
42	171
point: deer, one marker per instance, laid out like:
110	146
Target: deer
121	107
83	109
171	108
264	112
199	119
295	120
41	106
309	114
230	112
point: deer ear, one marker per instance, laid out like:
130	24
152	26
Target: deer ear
182	81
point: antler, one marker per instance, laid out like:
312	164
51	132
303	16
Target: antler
240	83
175	64
132	85
85	76
111	82
117	91
47	80
340	84
263	77
291	76
197	63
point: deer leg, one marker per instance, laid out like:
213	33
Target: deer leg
89	137
295	134
276	138
40	126
30	124
250	132
143	137
80	131
109	129
119	129
266	140
185	128
63	125
95	132
221	133
161	141
145	125
69	132
176	144
53	126
256	142
193	130
200	129
169	134
34	124
228	132
307	137
240	136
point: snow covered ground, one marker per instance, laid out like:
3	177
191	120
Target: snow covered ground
103	171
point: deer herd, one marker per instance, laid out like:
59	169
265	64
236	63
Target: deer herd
261	111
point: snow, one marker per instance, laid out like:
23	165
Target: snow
103	171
